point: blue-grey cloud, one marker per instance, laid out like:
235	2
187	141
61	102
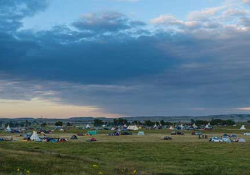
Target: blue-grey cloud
106	22
117	64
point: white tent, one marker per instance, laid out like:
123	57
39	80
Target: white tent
194	125
241	140
8	129
133	127
141	133
171	127
35	137
242	127
155	126
87	127
182	127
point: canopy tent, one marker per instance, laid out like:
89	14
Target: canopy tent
194	125
242	127
35	137
133	128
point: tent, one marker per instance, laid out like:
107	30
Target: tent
8	129
241	140
182	127
87	127
171	127
242	127
226	139
141	133
194	125
73	137
35	137
133	128
92	132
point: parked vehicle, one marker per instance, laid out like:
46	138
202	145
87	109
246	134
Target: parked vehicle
167	138
215	139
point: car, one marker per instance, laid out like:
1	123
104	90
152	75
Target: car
215	139
180	133
173	133
196	133
167	138
246	134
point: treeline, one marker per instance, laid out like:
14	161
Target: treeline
213	122
122	121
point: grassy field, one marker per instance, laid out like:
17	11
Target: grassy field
127	155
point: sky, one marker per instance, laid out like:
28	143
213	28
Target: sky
118	58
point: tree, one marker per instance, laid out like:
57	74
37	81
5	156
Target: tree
162	122
43	124
98	122
149	123
59	123
69	124
120	121
192	121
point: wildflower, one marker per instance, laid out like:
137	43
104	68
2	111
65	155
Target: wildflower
94	166
100	173
134	172
18	169
28	172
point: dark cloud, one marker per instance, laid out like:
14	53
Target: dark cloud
118	65
106	22
13	11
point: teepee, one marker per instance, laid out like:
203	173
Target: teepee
87	127
8	129
242	127
35	137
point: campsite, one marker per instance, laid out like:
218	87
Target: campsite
145	152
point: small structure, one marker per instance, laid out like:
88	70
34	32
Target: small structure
35	137
8	129
133	128
194	126
241	140
141	133
73	137
92	132
242	127
171	127
87	127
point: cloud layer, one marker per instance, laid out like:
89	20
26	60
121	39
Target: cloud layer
107	60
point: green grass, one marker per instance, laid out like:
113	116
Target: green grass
122	155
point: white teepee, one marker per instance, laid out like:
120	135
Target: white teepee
242	127
35	137
8	129
87	127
